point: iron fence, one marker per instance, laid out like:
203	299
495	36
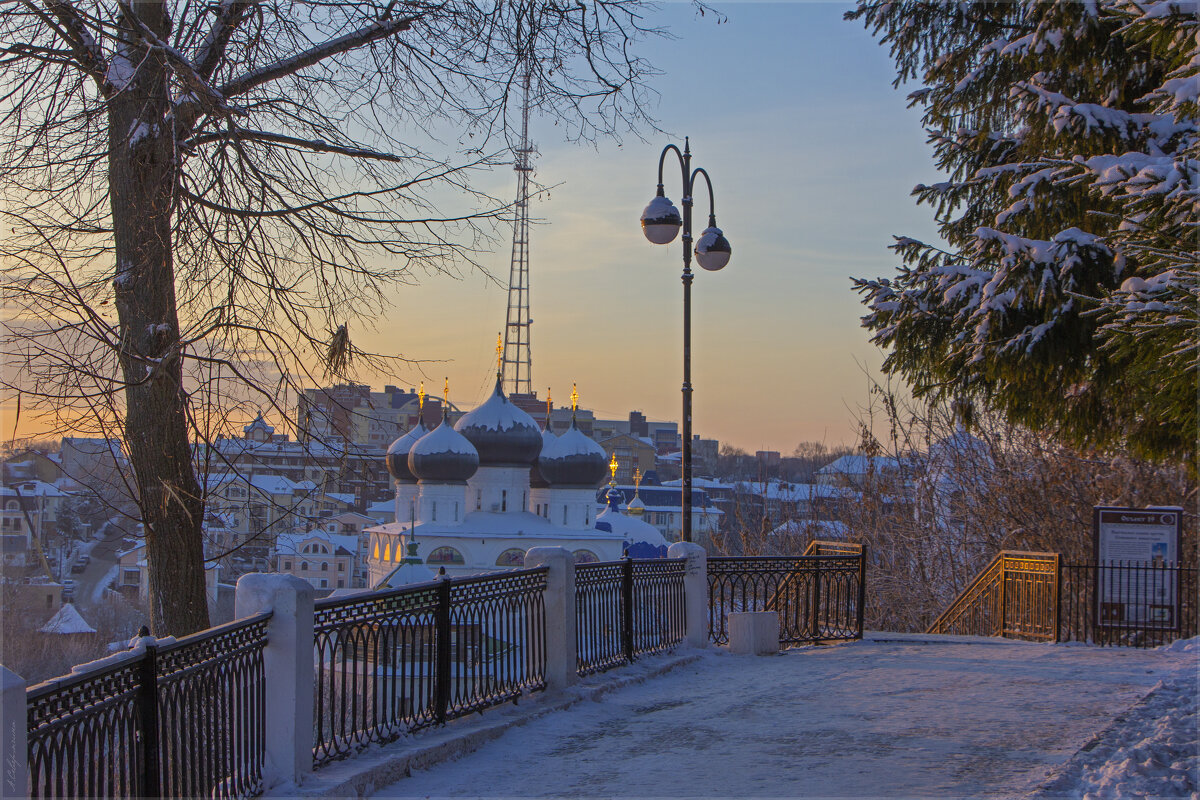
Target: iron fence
180	719
627	608
392	662
818	598
1127	604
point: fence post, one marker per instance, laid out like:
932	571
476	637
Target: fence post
695	590
1057	595
442	677
147	711
627	608
562	665
14	722
862	588
814	610
288	665
1003	596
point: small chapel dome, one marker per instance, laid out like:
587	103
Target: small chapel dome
573	460
503	434
443	456
397	453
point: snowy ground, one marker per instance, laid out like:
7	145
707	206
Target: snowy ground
893	716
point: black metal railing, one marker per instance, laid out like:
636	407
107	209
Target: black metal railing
627	608
182	718
818	598
1127	604
392	662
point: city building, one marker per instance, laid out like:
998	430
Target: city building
633	454
326	560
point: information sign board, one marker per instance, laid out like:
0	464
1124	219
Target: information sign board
1133	548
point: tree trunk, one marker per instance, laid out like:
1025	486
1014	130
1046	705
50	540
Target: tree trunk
143	174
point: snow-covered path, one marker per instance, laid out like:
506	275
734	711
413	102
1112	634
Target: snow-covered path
892	716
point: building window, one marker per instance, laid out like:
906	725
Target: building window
341	583
445	555
564	515
341	566
287	566
585	557
324	583
324	566
478	499
304	566
433	516
514	557
504	499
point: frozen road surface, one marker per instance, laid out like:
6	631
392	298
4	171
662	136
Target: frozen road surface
892	716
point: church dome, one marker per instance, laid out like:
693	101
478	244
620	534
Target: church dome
549	440
443	456
573	460
503	435
397	453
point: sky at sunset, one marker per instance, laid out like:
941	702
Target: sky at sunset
812	156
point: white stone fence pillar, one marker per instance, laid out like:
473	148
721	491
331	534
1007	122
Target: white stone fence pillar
288	665
561	661
695	590
14	730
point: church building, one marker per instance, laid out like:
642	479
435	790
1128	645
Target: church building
473	497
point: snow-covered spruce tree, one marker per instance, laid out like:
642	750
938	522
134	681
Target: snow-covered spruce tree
197	199
1068	295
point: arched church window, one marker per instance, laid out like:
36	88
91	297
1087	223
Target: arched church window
445	555
585	557
513	557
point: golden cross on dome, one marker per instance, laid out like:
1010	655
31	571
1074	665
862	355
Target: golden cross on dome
549	403
421	399
446	391
612	468
574	397
499	352
637	479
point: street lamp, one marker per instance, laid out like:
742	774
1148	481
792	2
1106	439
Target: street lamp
661	222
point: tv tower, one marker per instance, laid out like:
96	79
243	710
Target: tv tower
516	362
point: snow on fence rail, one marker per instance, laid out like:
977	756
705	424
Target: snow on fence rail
170	718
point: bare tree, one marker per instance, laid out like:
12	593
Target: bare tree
200	198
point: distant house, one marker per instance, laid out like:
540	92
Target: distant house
855	470
326	560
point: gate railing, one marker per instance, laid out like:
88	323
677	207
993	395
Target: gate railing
389	663
818	598
1013	596
627	608
175	718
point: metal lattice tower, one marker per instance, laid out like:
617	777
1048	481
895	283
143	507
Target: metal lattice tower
517	362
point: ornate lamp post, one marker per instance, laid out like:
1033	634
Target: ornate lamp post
661	222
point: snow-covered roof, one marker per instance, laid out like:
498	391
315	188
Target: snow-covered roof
290	543
32	488
342	497
631	529
67	620
858	464
832	529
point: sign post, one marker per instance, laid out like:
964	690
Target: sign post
1133	548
